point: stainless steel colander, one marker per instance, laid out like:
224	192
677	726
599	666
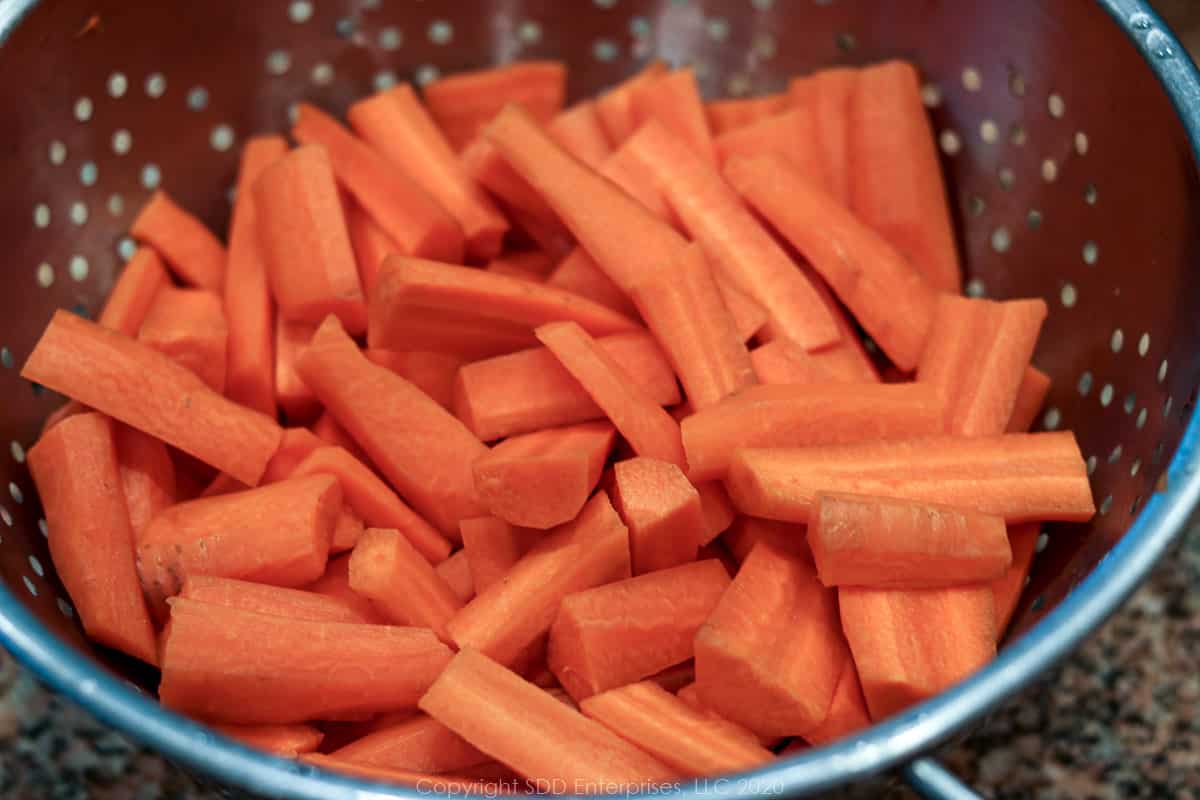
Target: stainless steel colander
1069	130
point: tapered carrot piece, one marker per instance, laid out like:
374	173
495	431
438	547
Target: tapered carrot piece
748	314
75	469
288	741
250	359
669	729
847	713
910	645
431	372
579	273
492	547
294	447
887	295
529	390
728	115
506	617
827	94
1031	396
525	206
405	777
542	479
147	390
419	447
615	107
673	100
420	743
623	632
230	665
770	655
133	292
467	335
335	585
264	599
190	249
532	732
793	135
395	123
1007	588
896	179
662	511
745	532
402	584
1019	476
456	572
579	131
785	362
189	326
801	415
716	509
147	475
466	101
298	402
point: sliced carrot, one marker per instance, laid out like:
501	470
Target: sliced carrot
288	741
145	389
662	511
689	695
229	665
728	115
1031	396
828	94
506	617
188	325
420	780
294	447
910	645
327	430
848	359
749	316
623	632
847	713
579	131
431	372
884	292
402	584
1007	588
615	107
335	585
802	415
264	599
529	390
420	743
770	655
745	532
468	335
1019	476
147	475
466	101
133	292
896	179
673	100
75	469
785	362
190	249
716	509
298	402
525	206
793	135
528	729
346	532
418	446
456	572
625	168
579	273
371	244
492	547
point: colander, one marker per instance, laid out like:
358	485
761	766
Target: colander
1068	130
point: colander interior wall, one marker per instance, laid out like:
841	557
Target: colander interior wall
1070	177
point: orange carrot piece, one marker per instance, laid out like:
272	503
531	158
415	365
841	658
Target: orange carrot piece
847	713
827	94
793	135
230	665
298	402
662	511
147	475
335	585
1019	476
287	741
456	572
145	389
133	292
466	101
262	598
75	469
689	695
189	248
848	359
188	325
486	787
716	508
803	415
420	743
580	133
1007	588
745	532
615	107
346	532
371	245
884	292
896	179
910	645
529	390
528	729
492	547
525	206
327	431
395	123
467	335
625	168
507	617
785	362
623	632
1031	396
728	115
294	447
579	273
770	655
749	316
673	100
386	569
431	372
423	451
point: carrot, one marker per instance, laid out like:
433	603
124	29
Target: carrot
749	316
274	600
529	390
579	131
1021	477
294	447
793	135
615	107
847	713
371	245
896	180
65	411
492	546
898	544
640	420
250	358
673	100
689	695
298	402
388	570
1007	588
335	585
685	310
1031	396
542	479
467	335
188	325
147	475
728	115
190	249
623	632
802	415
346	532
419	447
662	511
526	728
422	781
770	655
881	289
579	273
716	509
848	359
229	665
785	362
514	269
910	645
145	389
75	468
976	357
288	741
625	168
827	94
529	263
420	743
466	101
327	431
456	572
507	616
526	208
395	123
133	292
431	372
745	532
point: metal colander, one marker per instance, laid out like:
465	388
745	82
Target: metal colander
1067	129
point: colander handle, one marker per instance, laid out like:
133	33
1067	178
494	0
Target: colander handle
934	782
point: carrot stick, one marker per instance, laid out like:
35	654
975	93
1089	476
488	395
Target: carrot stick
335	585
803	415
133	292
190	249
492	547
910	645
848	359
147	475
579	273
529	730
298	402
1007	588
615	107
827	95
650	431
529	390
371	244
662	511
287	741
716	509
623	632
625	168
689	695
274	600
466	101
250	358
883	291
388	570
75	468
188	325
419	447
486	787
1021	477
847	713
456	572
508	616
579	131
294	447
1031	396
230	665
785	362
794	135
770	655
147	390
420	743
467	335
728	115
673	100
745	532
525	206
749	316
431	372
